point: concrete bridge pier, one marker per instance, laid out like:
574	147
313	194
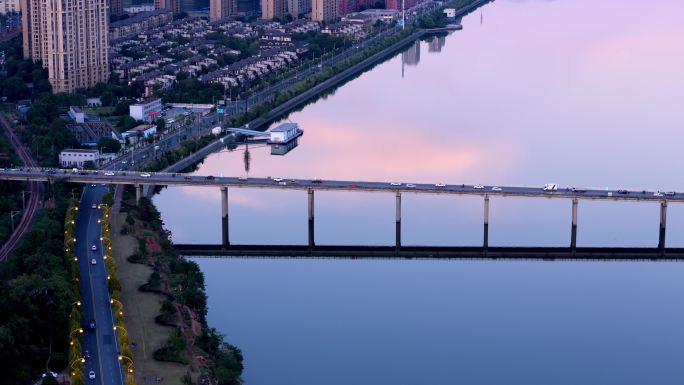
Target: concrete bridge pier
573	232
138	192
663	219
225	241
312	242
398	222
485	240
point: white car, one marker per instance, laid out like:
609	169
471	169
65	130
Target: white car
411	185
94	206
657	194
145	175
91	375
395	184
93	247
93	261
478	186
440	185
496	188
277	179
109	173
282	183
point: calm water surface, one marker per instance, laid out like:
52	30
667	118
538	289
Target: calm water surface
578	93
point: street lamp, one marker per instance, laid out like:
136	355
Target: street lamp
112	300
129	368
120	328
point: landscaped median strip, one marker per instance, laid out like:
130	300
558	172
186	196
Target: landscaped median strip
125	352
76	359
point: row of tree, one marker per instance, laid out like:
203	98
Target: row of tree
36	295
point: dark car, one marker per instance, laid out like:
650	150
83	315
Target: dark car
623	192
210	177
86	354
91	324
316	181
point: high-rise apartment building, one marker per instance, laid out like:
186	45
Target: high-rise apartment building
298	7
9	6
70	37
116	7
247	7
324	10
273	8
345	7
173	5
218	9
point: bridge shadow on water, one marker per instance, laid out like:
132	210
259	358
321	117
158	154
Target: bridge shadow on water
430	252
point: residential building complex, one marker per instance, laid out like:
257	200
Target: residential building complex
116	7
247	7
70	38
298	7
324	10
133	9
9	6
173	5
139	22
219	9
273	8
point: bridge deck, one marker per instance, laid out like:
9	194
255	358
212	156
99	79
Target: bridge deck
136	178
431	252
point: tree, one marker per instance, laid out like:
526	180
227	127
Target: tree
89	165
107	98
14	88
161	124
108	145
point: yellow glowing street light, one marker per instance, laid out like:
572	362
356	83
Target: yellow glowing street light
112	300
80	330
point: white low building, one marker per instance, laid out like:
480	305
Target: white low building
284	133
72	157
146	110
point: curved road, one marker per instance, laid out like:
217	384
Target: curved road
36	189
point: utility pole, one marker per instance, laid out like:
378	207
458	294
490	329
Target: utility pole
23	200
12	214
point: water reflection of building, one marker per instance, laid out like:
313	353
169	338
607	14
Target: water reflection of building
411	56
436	44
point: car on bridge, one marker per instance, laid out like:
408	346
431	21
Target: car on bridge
93	247
91	324
145	175
91	375
93	261
478	187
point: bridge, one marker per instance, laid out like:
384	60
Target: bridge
140	180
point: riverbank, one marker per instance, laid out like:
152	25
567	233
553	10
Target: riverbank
166	303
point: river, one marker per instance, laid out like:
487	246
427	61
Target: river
578	93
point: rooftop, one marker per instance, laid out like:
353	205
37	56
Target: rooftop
80	150
285	127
